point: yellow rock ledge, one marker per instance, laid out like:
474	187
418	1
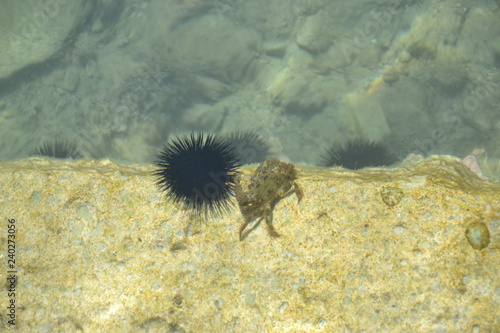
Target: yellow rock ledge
98	248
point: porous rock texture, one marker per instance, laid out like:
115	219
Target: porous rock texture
100	249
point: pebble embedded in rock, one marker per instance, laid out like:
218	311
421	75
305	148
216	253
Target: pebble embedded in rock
478	235
391	196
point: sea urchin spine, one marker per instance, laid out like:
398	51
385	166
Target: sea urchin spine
198	171
358	154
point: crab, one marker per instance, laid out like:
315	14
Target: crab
272	181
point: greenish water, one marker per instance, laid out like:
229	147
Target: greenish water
118	79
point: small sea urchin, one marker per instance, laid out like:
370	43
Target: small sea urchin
57	149
249	147
198	171
358	154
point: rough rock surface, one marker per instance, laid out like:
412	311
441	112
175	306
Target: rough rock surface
99	249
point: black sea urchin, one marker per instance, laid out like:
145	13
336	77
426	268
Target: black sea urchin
358	154
57	149
198	171
249	147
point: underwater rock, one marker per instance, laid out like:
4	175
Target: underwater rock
31	32
213	45
390	75
369	115
274	48
90	232
478	235
312	36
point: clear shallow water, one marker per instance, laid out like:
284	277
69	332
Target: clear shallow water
117	79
